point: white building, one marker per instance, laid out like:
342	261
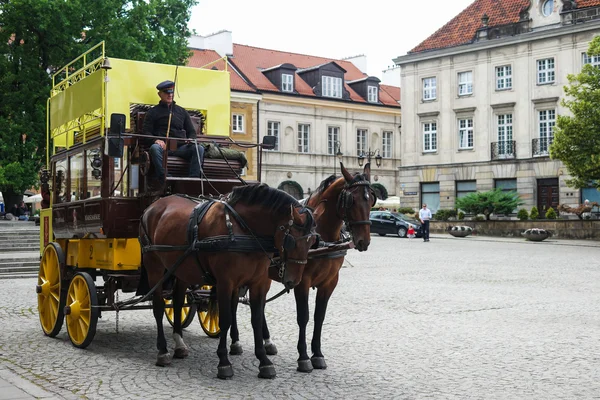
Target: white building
484	94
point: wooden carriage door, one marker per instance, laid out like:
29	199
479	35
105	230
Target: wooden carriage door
547	190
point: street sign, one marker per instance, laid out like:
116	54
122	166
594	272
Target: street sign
410	193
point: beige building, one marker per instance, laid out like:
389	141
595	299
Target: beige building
320	110
485	94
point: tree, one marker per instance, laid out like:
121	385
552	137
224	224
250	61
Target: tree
577	136
39	36
493	202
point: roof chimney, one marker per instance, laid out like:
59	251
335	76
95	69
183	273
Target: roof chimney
359	61
221	42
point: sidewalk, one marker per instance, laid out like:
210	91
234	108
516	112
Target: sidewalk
13	387
548	242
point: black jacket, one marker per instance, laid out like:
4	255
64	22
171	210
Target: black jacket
156	122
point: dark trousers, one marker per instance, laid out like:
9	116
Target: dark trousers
187	152
425	228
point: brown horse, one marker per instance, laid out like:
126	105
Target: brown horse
337	200
236	240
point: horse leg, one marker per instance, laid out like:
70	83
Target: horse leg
236	346
323	295
301	294
258	294
224	296
270	347
158	308
181	349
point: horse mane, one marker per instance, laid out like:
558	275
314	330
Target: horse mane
262	194
357	177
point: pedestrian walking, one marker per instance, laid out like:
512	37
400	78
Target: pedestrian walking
425	216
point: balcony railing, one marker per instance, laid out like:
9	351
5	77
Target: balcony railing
504	150
540	147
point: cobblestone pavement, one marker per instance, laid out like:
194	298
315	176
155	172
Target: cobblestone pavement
447	319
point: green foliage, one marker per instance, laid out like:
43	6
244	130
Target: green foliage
406	210
493	202
479	218
551	214
577	137
534	214
380	190
523	215
444	215
39	36
461	215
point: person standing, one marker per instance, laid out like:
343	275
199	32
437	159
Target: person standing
169	119
425	216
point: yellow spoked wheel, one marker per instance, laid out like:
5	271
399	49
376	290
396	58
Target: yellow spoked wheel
81	311
50	293
209	319
187	312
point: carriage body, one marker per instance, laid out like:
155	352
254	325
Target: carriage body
98	177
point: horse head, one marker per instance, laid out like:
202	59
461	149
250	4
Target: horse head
294	238
354	205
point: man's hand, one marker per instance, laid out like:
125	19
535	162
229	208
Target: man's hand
161	143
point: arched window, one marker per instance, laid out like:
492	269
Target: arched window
293	188
380	191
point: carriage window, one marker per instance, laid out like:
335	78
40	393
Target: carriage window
60	182
121	181
76	177
94	172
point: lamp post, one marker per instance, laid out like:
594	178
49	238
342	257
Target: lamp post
338	154
368	155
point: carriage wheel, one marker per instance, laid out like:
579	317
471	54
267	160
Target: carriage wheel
81	311
209	319
187	312
50	293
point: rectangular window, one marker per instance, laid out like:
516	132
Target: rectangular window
506	185
545	71
387	144
332	87
430	195
430	136
594	60
429	88
237	123
465	133
373	94
361	141
273	128
287	83
76	174
303	138
333	138
505	135
547	120
465	83
504	77
463	188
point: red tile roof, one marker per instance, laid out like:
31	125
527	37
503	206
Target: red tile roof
251	61
392	91
200	58
462	28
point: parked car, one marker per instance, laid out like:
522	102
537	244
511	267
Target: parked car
384	222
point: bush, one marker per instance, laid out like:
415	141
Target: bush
523	215
479	218
535	214
551	214
444	215
461	215
487	203
406	210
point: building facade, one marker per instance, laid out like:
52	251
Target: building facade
320	111
485	94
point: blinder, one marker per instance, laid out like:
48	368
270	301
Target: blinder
289	243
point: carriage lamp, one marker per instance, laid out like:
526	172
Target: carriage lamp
96	166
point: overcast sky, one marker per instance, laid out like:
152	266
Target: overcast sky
380	29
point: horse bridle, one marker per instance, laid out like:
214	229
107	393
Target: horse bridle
346	201
289	241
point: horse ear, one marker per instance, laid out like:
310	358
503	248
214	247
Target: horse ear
295	216
367	171
345	173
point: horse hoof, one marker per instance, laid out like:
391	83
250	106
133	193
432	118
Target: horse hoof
225	372
267	372
163	360
236	349
181	353
304	366
318	362
271	349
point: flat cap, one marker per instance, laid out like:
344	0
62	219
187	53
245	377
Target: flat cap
165	85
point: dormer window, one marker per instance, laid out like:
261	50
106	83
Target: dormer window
287	83
373	94
547	8
332	87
